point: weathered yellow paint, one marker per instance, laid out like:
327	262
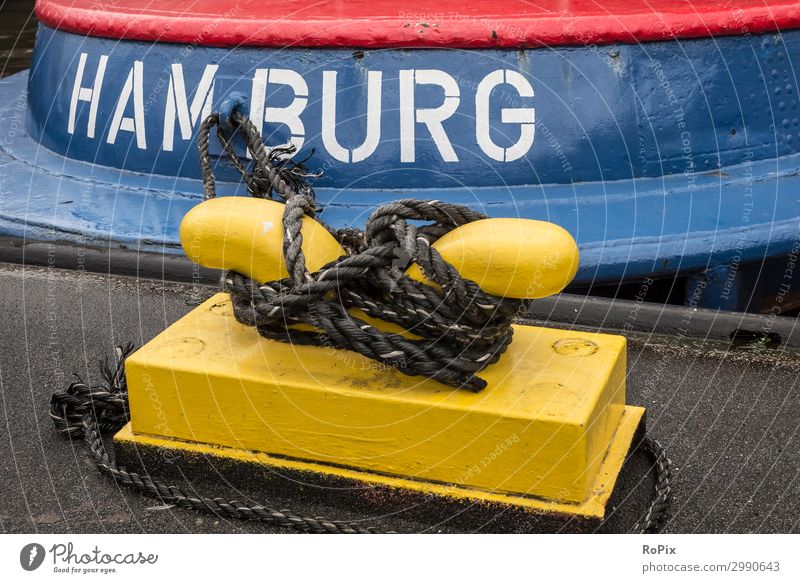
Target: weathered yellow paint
513	258
517	258
542	427
245	234
592	507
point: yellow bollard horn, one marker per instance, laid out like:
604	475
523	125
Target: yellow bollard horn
516	258
548	434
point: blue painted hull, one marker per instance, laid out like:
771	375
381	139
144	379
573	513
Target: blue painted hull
661	159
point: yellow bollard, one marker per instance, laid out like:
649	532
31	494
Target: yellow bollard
517	258
549	433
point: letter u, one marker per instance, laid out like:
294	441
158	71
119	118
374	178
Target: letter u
332	145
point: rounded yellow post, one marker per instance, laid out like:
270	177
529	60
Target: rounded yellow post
246	235
512	258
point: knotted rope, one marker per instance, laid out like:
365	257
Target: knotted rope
460	329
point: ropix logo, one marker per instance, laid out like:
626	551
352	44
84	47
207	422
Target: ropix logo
31	556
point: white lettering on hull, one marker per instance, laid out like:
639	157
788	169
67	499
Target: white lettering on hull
289	115
134	84
432	118
178	111
89	94
373	137
177	104
524	116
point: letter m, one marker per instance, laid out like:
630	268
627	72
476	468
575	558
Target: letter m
178	106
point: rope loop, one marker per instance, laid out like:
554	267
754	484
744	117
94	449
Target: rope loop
455	330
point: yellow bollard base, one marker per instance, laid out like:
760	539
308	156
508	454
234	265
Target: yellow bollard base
352	489
549	433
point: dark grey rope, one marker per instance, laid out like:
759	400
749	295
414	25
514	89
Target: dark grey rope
655	518
461	328
88	411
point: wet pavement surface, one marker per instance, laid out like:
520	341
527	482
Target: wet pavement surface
729	420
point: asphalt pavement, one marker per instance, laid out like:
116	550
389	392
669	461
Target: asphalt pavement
729	419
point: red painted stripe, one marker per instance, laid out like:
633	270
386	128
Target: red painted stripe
437	23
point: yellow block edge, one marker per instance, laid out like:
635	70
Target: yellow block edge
593	507
210	379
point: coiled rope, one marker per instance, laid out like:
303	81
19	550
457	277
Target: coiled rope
462	328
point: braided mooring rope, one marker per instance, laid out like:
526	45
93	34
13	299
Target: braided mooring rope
88	412
462	329
655	517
